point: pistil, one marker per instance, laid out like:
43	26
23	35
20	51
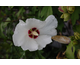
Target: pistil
35	33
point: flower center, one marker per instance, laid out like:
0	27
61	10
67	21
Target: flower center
33	33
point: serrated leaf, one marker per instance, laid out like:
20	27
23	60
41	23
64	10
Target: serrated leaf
70	51
75	15
46	11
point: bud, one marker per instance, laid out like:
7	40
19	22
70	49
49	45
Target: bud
62	9
70	9
77	35
62	39
66	16
78	54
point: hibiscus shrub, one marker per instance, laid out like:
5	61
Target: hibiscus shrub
67	28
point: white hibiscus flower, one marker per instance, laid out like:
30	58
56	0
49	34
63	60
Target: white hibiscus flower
35	34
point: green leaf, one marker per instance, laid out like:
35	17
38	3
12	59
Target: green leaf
60	24
46	11
23	54
77	47
20	12
40	55
70	51
76	28
34	9
75	15
11	7
2	26
2	13
8	19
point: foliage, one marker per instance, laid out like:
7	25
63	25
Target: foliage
75	15
9	17
70	51
46	11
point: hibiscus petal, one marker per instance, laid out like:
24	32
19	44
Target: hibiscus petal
32	22
19	33
43	40
50	24
52	21
29	44
51	32
40	48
